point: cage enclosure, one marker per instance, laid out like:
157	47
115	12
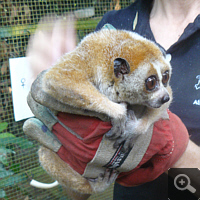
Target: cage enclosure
18	154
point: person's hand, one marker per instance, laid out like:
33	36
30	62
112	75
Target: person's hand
53	37
168	142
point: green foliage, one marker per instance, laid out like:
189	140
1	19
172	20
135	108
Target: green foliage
3	126
2	193
8	145
4	173
20	142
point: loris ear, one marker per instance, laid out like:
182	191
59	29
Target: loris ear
168	57
121	67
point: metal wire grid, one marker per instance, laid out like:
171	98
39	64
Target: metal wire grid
18	155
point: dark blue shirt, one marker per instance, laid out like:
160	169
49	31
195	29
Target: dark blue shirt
185	80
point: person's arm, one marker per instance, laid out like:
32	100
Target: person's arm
187	165
190	158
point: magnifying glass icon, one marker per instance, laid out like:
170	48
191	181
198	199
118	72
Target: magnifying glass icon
182	182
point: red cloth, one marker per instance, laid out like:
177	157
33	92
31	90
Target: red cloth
77	153
169	141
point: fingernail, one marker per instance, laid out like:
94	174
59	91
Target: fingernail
44	128
109	133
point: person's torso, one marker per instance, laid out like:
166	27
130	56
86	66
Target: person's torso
185	80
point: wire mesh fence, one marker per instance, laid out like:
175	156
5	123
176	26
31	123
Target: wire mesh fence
18	154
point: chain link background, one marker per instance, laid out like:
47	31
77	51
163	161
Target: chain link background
18	154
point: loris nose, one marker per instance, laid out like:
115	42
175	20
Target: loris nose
165	99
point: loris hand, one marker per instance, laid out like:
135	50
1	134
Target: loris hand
128	136
118	125
103	181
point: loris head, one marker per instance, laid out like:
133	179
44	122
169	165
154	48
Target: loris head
142	74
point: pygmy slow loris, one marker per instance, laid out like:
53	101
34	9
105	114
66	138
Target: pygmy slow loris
109	70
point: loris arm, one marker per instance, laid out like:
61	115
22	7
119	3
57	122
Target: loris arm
138	123
76	90
94	101
39	95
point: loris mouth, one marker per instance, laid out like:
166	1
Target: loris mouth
153	104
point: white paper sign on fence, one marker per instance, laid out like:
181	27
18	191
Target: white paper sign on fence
20	81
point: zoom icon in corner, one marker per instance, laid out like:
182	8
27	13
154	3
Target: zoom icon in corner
184	184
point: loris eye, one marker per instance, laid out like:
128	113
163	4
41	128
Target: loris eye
165	78
151	83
